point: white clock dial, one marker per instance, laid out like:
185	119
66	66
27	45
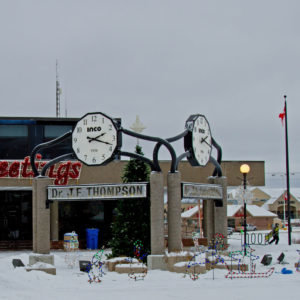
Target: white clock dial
94	139
199	140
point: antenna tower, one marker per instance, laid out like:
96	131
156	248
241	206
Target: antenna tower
58	92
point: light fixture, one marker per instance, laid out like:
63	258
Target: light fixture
244	169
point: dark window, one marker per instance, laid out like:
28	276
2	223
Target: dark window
16	215
14	141
50	133
54	131
19	137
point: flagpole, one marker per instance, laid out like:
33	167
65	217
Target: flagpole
287	172
284	204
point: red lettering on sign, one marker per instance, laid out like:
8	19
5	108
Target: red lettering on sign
62	172
3	168
25	164
75	170
52	173
14	169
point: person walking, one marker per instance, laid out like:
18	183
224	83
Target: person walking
275	234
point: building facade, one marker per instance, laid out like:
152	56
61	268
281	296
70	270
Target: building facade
277	203
18	136
273	200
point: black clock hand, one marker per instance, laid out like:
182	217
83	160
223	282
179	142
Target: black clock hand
95	138
103	142
204	140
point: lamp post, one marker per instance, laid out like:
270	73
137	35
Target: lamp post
245	169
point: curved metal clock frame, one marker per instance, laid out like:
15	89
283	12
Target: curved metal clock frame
217	163
159	141
154	165
53	161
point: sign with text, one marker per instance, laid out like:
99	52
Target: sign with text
61	172
203	191
255	238
97	192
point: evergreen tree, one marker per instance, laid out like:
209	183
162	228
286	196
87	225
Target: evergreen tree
132	221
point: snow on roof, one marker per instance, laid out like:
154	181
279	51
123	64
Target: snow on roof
189	213
275	193
253	210
296	193
232	210
272	192
257	211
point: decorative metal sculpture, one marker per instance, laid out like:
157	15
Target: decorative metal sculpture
242	272
154	164
95	268
116	152
208	258
211	257
197	247
218	242
298	264
137	255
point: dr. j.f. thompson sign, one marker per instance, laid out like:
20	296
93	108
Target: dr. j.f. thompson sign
97	192
203	191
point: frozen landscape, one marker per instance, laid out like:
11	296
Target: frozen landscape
71	283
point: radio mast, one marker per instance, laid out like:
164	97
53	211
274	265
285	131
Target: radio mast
58	92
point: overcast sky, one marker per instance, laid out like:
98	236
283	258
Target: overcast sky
162	60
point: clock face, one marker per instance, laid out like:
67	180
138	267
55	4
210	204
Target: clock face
199	140
95	139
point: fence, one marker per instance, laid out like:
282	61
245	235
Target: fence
254	238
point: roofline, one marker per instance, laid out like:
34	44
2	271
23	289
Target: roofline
39	118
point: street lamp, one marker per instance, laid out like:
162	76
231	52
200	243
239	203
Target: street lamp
245	169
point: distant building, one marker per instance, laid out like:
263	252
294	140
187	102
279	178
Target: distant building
278	202
258	216
271	199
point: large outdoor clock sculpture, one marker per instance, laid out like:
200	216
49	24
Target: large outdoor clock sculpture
198	141
95	139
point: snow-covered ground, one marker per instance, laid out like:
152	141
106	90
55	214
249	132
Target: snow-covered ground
70	283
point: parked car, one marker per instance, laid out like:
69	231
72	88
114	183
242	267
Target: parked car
251	227
230	230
